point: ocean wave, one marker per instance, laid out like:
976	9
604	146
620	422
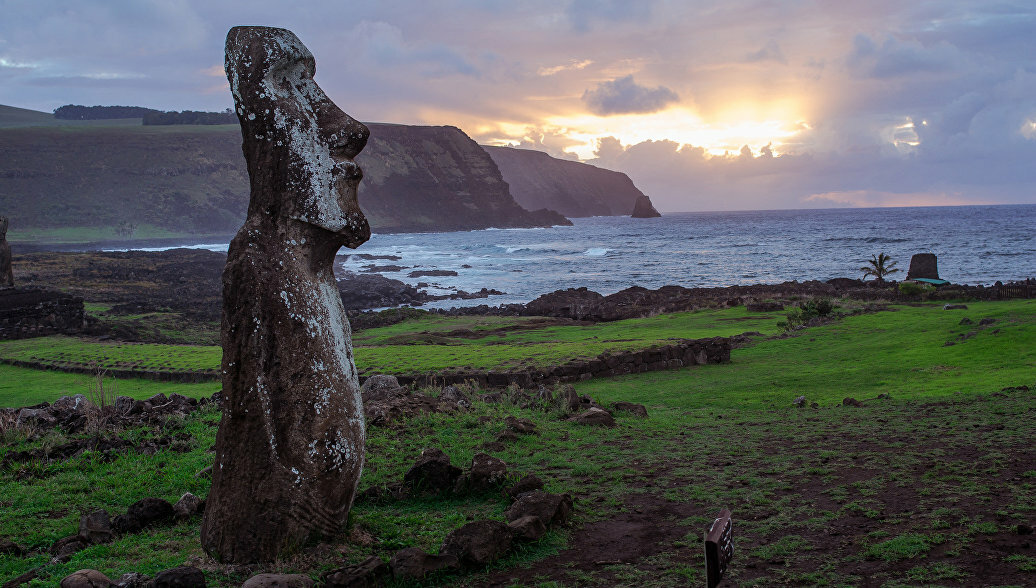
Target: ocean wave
597	251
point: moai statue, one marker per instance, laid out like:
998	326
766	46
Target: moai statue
6	273
289	450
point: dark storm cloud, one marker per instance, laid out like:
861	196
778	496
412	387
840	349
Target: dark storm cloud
624	96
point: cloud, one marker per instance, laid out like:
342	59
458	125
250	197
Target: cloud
582	14
624	96
769	52
385	45
571	65
896	58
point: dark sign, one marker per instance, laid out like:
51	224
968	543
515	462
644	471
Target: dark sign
719	548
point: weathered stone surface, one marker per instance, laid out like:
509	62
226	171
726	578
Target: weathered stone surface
954	306
923	265
478	543
188	506
380	387
634	409
412	562
96	527
432	472
86	579
552	509
68	545
289	450
142	513
278	581
528	483
6	272
181	577
486	473
132	580
849	401
528	528
643	208
596	417
523	426
370	573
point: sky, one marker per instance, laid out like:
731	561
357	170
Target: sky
706	105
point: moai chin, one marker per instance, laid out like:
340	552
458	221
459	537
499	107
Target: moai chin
289	450
6	272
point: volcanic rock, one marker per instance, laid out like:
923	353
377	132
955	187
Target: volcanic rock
923	265
181	577
370	572
486	473
188	506
478	543
634	409
278	581
643	208
528	528
86	579
597	417
414	563
552	509
432	472
96	527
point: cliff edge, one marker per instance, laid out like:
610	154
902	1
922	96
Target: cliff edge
572	188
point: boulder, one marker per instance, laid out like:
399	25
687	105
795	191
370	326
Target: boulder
279	581
478	543
369	573
528	483
188	506
40	417
596	417
96	527
181	577
552	509
523	426
68	545
486	473
432	472
453	395
955	307
414	563
849	401
799	402
86	579
381	388
528	528
143	513
635	409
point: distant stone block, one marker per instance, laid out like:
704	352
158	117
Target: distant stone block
923	265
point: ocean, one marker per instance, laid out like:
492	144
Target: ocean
974	245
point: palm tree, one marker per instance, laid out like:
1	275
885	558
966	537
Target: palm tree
880	266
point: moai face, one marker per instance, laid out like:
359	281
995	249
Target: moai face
305	143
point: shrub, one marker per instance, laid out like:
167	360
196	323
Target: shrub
807	311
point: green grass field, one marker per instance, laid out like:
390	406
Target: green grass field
925	487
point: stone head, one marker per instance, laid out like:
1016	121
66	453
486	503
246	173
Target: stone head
3	227
298	144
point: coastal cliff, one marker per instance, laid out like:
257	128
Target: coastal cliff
120	182
572	188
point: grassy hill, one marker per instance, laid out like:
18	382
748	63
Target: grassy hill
14	117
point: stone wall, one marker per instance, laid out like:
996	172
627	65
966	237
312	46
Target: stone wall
678	355
36	313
